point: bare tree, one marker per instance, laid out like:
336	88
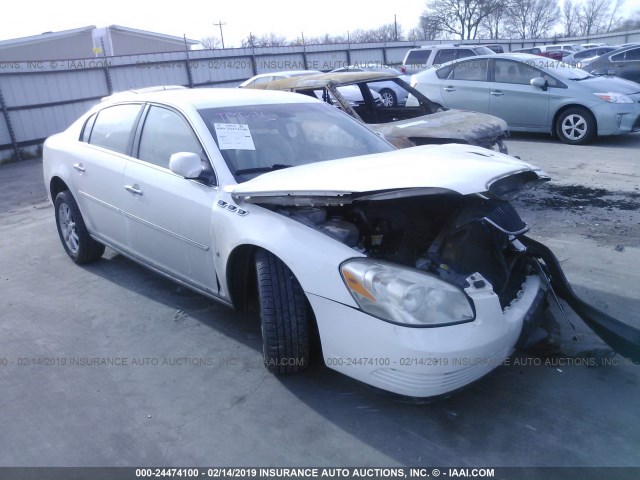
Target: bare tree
428	29
462	17
593	16
532	18
210	43
614	19
267	40
570	13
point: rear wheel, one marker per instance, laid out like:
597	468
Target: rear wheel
575	126
74	235
388	98
284	316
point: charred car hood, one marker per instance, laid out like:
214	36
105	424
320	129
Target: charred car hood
472	127
429	169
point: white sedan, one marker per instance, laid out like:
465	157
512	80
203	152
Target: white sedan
274	199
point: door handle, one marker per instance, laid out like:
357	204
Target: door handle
79	167
135	189
497	93
449	89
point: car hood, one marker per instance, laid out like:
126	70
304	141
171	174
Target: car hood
471	127
609	84
429	169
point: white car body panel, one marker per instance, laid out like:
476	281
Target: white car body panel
429	166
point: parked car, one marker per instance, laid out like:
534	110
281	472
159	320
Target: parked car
623	62
536	95
396	258
418	59
588	46
270	76
404	126
586	56
391	93
563	46
553	54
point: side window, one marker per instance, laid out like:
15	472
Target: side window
266	79
464	52
474	70
86	130
618	58
443	73
418	57
633	54
514	72
113	129
445	55
165	133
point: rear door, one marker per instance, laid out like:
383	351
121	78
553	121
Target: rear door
168	217
467	87
514	99
627	64
108	136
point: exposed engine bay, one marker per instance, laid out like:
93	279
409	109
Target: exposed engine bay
452	236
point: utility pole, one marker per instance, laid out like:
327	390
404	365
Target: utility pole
395	28
220	24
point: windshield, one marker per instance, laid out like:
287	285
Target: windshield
255	139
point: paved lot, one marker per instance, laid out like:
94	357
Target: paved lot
185	385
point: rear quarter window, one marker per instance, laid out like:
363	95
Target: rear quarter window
418	57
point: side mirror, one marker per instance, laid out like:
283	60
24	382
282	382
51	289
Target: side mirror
539	82
185	164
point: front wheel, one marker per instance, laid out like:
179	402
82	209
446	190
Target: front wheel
74	235
575	126
284	316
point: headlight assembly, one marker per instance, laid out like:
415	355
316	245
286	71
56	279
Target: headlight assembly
613	97
404	296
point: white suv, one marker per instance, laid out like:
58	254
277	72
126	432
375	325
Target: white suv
418	59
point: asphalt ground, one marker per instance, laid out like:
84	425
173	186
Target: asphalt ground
185	385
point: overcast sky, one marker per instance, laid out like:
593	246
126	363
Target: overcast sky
195	18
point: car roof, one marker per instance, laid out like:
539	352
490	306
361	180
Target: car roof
322	80
207	97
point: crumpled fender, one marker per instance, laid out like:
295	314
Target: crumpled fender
621	337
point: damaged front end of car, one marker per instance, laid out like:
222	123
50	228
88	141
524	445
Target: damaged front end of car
438	249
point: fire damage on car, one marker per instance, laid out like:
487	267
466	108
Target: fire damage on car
404	124
468	237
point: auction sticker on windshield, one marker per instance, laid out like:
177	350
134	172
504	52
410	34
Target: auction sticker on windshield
232	136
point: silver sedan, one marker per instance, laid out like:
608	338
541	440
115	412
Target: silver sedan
536	94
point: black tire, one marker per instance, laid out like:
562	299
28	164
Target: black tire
389	98
74	236
284	316
576	126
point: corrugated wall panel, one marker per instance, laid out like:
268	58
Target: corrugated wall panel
148	75
367	56
34	89
279	63
327	61
5	139
36	123
228	69
395	56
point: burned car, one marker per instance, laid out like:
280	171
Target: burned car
413	120
410	267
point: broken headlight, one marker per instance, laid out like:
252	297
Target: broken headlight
404	296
